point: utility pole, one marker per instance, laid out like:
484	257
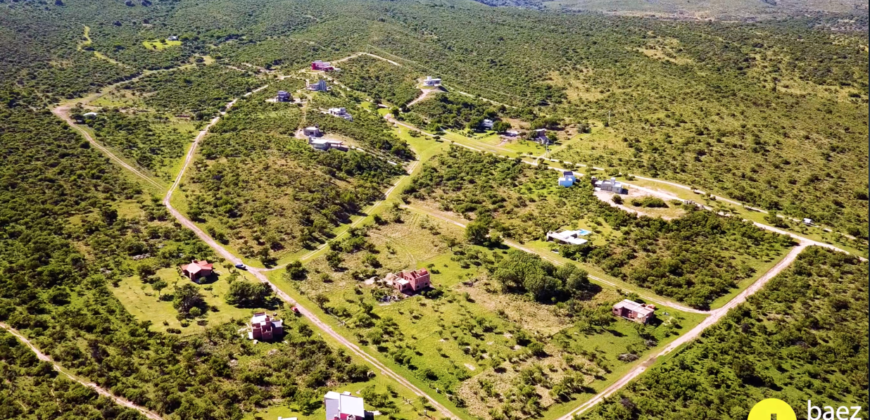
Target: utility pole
608	118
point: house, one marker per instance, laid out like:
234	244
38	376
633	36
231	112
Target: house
172	38
340	112
197	269
487	124
344	406
637	312
283	96
512	133
320	86
611	185
808	222
567	179
90	115
321	66
540	136
324	144
410	282
264	328
312	131
571	237
431	82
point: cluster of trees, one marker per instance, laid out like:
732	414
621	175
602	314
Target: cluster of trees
455	111
695	259
803	337
383	81
200	91
521	272
151	143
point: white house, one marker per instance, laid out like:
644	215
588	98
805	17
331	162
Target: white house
312	131
90	115
172	38
569	237
324	144
541	136
512	133
808	222
343	406
611	185
431	82
487	124
340	112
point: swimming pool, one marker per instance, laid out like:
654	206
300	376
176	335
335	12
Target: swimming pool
584	232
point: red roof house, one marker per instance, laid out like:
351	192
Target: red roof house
637	312
197	269
322	66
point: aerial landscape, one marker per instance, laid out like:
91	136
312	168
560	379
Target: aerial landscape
434	209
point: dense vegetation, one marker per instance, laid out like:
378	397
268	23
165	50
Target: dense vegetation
253	177
33	389
198	92
804	337
65	246
695	259
383	81
453	111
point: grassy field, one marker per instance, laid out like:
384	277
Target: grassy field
142	301
160	44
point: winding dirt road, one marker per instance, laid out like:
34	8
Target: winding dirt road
100	390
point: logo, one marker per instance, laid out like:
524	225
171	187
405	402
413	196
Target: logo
772	409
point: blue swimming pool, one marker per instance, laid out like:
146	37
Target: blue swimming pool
584	232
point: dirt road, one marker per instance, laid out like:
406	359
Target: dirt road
426	93
100	390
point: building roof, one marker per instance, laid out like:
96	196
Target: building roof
568	236
197	266
349	404
568	173
635	307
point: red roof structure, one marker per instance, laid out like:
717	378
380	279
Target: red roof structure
197	269
413	281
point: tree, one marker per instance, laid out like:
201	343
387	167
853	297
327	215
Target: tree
477	232
245	294
617	199
187	297
158	286
333	259
296	271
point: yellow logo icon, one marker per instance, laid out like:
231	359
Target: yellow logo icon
772	409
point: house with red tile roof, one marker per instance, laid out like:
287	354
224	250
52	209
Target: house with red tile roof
197	269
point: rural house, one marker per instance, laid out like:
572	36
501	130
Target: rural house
320	86
324	144
312	131
571	237
431	82
611	185
172	38
487	124
264	328
344	406
540	136
321	66
637	312
409	282
283	96
340	112
567	179
197	270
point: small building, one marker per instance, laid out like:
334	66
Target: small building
411	281
487	124
611	185
340	112
344	406
324	144
540	136
320	86
566	182
172	38
808	222
569	175
512	133
571	237
321	66
312	131
90	115
197	269
283	96
431	82
264	328
637	312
